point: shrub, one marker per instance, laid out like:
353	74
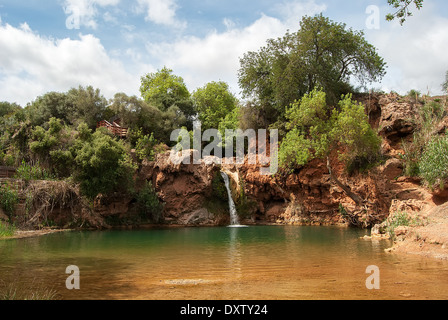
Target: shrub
28	172
6	230
434	163
9	198
102	165
400	218
148	204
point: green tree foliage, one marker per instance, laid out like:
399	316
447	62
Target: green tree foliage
89	105
213	103
8	109
73	107
322	53
137	115
434	162
50	105
51	147
9	198
402	7
147	146
148	204
102	164
315	131
164	90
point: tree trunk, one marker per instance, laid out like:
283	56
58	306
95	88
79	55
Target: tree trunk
349	193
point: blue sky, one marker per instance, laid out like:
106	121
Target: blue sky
54	45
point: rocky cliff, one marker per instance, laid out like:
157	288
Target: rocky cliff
308	195
192	194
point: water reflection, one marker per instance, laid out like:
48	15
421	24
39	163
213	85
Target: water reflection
222	263
235	253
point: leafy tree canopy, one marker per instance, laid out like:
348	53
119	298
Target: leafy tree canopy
316	130
322	53
213	103
72	107
164	90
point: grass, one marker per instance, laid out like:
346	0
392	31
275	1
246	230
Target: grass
6	230
30	291
8	198
434	162
400	219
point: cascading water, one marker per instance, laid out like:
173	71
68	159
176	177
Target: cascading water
234	221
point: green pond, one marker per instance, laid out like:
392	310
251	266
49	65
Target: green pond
258	262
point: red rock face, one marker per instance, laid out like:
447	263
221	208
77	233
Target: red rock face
308	195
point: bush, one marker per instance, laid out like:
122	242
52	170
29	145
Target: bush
434	163
6	230
29	172
148	204
400	219
9	198
102	165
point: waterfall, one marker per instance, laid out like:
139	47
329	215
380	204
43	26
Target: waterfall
234	221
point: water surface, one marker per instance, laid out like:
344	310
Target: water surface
265	262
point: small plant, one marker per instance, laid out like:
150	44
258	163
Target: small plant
9	198
33	291
149	204
400	219
414	94
434	163
29	172
6	230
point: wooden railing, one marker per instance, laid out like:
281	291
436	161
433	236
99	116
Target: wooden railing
7	172
114	128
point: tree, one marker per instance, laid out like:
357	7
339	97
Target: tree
164	90
88	105
213	103
8	109
403	11
322	53
316	131
102	164
50	105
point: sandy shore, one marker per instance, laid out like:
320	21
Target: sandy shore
429	240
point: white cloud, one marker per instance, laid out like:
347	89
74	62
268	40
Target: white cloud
84	12
31	65
161	12
293	11
217	55
416	52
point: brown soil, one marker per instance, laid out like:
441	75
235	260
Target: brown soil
430	239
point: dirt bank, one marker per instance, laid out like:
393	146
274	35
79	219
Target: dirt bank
429	239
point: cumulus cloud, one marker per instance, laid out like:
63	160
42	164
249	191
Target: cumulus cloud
292	12
217	55
84	12
31	65
416	52
161	12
